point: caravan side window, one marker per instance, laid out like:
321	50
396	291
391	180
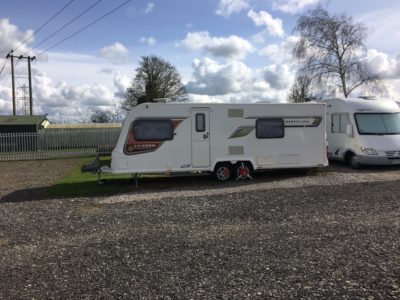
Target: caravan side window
153	130
339	122
200	122
270	128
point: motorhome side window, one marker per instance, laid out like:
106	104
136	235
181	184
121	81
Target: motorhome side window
200	122
339	122
153	130
270	128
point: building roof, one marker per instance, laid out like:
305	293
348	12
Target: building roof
84	126
22	120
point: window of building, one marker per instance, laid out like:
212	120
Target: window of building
153	130
270	128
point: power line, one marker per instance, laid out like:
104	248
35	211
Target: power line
87	26
47	22
67	24
4	65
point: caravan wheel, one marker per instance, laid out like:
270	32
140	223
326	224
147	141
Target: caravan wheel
223	171
244	170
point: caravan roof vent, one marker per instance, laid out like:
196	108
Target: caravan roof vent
368	97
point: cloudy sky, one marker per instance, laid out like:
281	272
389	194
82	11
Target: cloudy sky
225	50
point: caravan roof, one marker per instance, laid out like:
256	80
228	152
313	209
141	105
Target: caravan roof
364	105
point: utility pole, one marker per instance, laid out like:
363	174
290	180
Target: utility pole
30	85
29	58
10	55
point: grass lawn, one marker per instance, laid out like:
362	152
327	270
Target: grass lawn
77	184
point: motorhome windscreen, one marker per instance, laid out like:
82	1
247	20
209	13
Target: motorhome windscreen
378	123
153	130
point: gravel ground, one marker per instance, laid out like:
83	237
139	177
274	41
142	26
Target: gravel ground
328	234
26	180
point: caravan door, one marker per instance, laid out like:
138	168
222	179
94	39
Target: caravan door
200	138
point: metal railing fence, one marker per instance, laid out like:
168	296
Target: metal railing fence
57	144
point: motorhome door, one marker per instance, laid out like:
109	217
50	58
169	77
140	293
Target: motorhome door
200	138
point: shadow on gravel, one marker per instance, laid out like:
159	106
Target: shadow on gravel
339	166
112	187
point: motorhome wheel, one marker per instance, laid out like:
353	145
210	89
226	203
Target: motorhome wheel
353	161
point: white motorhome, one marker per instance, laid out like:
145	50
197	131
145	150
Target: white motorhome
363	131
230	140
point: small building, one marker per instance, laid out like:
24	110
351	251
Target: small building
23	124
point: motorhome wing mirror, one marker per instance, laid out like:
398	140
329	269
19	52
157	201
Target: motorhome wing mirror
349	130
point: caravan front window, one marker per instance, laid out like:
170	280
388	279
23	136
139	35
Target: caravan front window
378	123
153	130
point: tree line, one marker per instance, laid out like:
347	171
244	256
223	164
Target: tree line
330	53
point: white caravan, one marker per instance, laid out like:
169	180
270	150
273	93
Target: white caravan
363	131
230	140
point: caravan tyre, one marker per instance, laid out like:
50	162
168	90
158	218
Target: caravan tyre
243	170
223	171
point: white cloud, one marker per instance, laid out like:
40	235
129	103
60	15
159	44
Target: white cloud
383	28
232	47
121	82
5	99
282	52
236	82
258	38
273	26
292	6
74	87
149	8
106	70
228	7
212	78
279	77
382	64
116	53
148	40
11	37
62	101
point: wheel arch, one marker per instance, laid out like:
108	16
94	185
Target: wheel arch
233	162
347	155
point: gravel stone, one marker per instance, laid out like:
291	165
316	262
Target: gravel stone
333	233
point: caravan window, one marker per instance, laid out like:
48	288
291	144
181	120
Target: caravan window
339	122
200	122
270	128
153	130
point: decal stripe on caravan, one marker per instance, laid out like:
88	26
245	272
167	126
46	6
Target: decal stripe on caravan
288	122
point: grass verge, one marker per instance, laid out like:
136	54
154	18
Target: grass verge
77	184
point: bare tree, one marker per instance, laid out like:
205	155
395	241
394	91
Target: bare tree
330	51
155	78
300	90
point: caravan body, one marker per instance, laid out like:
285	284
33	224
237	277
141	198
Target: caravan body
363	131
177	137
